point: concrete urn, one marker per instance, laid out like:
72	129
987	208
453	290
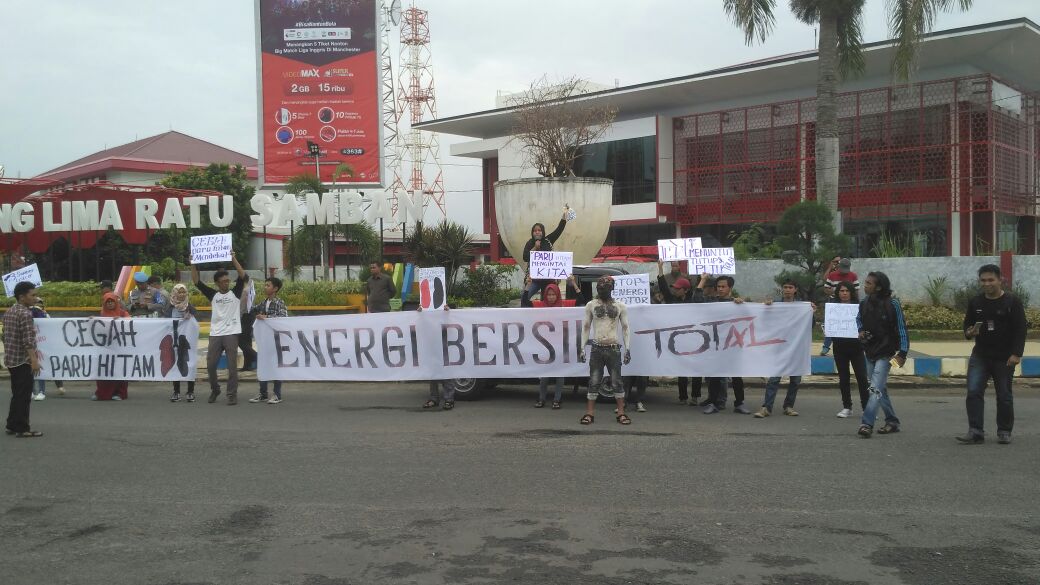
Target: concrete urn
520	203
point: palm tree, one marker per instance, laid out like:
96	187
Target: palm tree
841	53
446	244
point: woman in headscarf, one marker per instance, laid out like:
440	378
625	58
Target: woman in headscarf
111	389
179	307
540	242
551	298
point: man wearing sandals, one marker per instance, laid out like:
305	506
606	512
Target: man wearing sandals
603	315
442	392
20	359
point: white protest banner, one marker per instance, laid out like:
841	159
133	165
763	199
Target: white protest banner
670	250
716	261
632	289
839	320
213	248
551	265
30	273
102	348
432	287
710	339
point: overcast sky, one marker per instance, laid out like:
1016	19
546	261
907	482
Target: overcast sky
78	77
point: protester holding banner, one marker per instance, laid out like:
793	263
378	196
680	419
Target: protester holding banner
882	329
112	389
20	359
679	290
40	393
442	392
271	307
788	294
847	352
180	307
379	289
717	386
603	315
551	298
540	242
247	317
225	325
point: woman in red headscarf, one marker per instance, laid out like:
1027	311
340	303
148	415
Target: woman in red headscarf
111	389
551	298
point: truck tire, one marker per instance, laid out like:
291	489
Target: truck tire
467	388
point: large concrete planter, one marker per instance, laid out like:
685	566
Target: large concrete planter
520	203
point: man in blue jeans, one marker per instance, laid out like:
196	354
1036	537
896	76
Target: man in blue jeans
996	320
882	330
788	294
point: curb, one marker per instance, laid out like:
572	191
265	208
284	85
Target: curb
932	367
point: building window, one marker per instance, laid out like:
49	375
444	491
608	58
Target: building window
631	163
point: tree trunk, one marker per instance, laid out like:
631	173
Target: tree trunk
827	159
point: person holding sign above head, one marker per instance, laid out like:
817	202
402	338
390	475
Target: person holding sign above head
271	307
679	290
379	289
882	330
603	315
180	307
540	242
225	325
112	389
847	352
20	359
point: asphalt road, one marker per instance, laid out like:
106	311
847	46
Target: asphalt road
354	484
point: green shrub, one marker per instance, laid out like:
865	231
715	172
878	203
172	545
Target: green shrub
971	289
931	317
483	285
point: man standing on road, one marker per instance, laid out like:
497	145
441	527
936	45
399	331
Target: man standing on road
679	290
996	320
604	314
225	325
20	359
717	386
882	329
788	294
379	289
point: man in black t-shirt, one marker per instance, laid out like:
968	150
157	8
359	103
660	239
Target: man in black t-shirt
996	320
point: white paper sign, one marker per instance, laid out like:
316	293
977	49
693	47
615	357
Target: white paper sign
715	261
711	339
102	348
839	320
213	248
668	250
433	287
30	273
632	289
551	265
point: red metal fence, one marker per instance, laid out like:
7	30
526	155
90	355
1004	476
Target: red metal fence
967	144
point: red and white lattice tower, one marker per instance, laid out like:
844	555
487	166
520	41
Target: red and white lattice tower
416	102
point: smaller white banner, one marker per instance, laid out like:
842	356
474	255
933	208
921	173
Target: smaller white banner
632	289
551	265
715	261
680	249
212	248
839	320
432	287
102	348
30	273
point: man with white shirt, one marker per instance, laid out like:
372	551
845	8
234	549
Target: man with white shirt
225	326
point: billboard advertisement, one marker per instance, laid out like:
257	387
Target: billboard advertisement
318	84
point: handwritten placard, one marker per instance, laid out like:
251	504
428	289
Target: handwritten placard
30	273
551	265
682	249
714	261
432	287
213	248
632	289
839	320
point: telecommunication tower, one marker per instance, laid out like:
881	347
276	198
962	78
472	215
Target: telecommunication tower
415	101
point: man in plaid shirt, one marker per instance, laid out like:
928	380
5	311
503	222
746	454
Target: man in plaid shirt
20	358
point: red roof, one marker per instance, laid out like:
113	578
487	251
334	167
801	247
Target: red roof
170	151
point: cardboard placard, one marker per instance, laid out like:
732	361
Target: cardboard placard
551	265
433	287
681	249
30	273
714	261
839	320
632	289
212	248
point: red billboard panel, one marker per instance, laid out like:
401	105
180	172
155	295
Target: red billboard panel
319	85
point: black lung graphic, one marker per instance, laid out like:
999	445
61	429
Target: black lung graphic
438	292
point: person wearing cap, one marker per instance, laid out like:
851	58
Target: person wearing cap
843	273
142	299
